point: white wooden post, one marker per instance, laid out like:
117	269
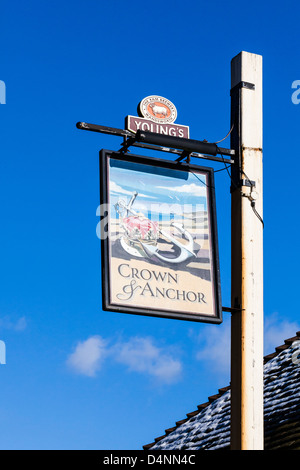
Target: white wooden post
247	430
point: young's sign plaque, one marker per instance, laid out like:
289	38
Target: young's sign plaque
157	114
159	248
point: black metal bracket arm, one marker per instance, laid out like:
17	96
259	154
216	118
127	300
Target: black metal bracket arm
104	129
242	182
164	143
232	310
246	182
188	145
242	84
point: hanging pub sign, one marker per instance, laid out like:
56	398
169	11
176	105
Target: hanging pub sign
159	238
156	114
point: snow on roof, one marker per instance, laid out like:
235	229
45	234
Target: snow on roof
208	428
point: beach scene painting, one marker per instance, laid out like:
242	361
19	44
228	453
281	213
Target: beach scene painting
160	246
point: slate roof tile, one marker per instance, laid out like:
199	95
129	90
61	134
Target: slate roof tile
208	427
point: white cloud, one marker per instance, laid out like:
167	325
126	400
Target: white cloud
115	188
141	355
88	356
215	342
192	188
215	351
138	354
21	324
9	323
276	330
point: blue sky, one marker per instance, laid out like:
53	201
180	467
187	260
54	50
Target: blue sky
76	377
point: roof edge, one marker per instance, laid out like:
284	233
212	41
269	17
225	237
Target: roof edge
287	343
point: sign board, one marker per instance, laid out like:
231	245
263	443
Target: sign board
134	123
156	114
159	238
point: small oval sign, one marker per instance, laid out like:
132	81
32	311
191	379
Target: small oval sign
157	109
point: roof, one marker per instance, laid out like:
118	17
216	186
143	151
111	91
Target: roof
208	427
